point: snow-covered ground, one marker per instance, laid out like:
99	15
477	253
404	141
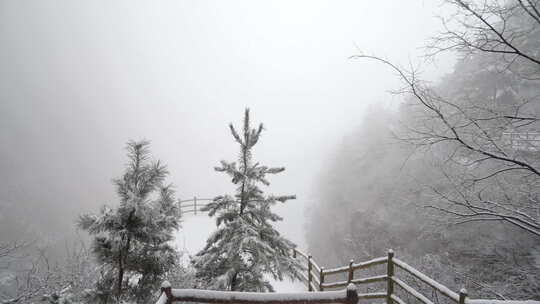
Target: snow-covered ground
192	237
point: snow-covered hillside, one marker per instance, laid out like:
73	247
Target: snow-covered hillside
192	237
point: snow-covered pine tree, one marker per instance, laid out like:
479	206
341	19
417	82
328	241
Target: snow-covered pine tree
131	240
245	248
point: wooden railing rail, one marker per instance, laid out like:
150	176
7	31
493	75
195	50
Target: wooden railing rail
315	275
192	199
196	206
357	266
316	279
422	277
380	278
345	296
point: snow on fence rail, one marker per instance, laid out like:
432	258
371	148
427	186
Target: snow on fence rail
316	280
345	296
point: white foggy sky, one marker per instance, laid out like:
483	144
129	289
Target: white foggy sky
80	78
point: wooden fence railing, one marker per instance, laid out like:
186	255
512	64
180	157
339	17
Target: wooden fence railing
346	296
192	205
316	280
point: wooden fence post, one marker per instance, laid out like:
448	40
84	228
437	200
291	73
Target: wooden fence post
462	296
195	204
390	274
166	288
351	271
352	294
310	279
321	279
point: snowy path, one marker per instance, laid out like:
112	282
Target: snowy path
192	237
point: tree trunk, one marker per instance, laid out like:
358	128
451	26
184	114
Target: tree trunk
233	281
122	258
120	276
